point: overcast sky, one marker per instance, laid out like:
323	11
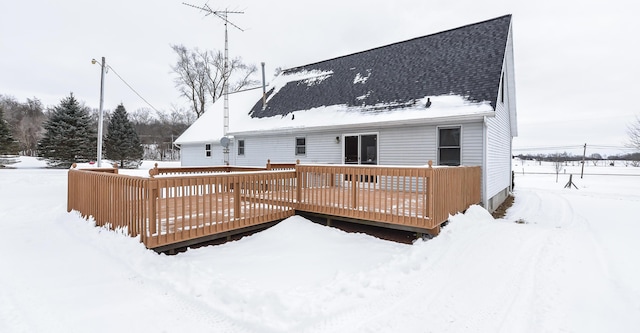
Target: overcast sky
576	62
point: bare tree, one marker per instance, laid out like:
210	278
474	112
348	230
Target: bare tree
633	131
158	130
201	76
26	120
192	77
141	116
595	158
557	164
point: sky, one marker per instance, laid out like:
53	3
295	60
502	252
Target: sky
575	61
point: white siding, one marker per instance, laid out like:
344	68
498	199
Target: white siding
320	148
499	134
498	152
416	145
406	145
500	131
193	154
323	148
257	150
472	144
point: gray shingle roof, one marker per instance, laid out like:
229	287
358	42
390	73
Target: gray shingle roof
465	61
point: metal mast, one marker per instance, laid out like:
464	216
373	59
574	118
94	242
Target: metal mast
223	14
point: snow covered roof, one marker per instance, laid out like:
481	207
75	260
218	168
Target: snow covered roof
457	72
465	61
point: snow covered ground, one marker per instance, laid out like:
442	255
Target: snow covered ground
572	266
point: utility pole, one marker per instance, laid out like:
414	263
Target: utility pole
584	155
100	116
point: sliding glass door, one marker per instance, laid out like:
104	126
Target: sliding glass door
361	149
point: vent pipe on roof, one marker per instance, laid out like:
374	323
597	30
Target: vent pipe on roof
264	89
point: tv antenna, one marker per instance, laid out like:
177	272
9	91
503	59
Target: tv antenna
222	14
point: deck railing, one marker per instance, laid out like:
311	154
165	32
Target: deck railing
421	197
184	208
194	203
217	169
120	201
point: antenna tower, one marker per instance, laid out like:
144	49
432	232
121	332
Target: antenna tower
223	14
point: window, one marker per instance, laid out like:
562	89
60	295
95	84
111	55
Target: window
301	146
240	147
449	146
361	149
207	150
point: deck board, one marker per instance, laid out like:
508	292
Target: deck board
203	215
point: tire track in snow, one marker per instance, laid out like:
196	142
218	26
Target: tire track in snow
575	280
435	294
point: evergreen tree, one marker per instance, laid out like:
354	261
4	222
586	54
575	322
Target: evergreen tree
69	136
122	143
8	144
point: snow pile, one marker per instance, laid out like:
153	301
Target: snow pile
572	265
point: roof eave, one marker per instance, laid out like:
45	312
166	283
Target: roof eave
389	123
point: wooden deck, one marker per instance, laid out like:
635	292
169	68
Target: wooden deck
173	207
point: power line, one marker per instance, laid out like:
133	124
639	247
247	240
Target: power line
612	147
130	87
548	148
573	147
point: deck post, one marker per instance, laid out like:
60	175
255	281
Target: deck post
236	199
430	192
354	191
154	172
298	197
153	206
71	192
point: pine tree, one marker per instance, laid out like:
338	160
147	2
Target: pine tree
122	143
8	144
69	136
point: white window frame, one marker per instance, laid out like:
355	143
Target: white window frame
241	144
207	150
438	147
304	147
359	134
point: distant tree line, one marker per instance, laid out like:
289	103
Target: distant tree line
67	132
24	122
158	131
568	157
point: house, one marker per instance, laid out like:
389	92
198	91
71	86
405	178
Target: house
448	97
